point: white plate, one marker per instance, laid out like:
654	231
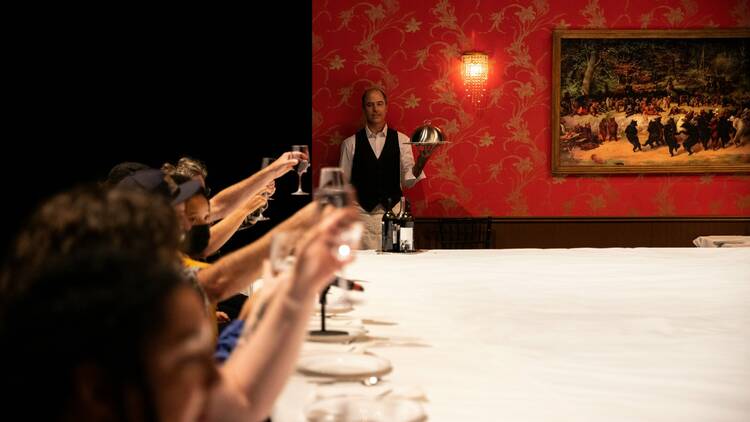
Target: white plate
364	409
344	365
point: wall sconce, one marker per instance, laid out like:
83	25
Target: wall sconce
475	67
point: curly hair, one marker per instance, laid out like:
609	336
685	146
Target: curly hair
92	217
186	166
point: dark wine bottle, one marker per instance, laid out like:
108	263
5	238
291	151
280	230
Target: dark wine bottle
397	227
386	228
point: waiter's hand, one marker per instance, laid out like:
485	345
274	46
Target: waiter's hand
424	155
427	151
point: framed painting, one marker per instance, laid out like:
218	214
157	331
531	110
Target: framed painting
651	101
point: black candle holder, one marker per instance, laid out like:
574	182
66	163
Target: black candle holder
323	331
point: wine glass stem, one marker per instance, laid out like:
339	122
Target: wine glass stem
299	185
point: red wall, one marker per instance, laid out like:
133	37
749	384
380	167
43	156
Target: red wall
498	159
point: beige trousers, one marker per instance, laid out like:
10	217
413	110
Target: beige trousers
372	220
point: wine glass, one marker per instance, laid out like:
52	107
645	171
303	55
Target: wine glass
333	191
301	167
281	259
281	253
253	218
264	163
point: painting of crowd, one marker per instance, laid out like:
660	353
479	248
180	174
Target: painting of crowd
654	102
711	121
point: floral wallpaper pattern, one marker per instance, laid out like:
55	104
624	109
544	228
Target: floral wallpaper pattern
497	162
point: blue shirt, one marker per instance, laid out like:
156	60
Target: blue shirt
228	340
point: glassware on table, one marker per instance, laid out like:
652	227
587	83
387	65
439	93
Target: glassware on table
301	167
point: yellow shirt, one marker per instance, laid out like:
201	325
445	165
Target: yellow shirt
196	266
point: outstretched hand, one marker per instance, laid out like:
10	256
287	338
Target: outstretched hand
317	259
286	163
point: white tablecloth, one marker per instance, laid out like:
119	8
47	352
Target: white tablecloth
560	334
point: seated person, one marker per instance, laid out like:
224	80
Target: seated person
116	333
222	230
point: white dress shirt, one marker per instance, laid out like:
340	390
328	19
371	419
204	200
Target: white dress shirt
377	142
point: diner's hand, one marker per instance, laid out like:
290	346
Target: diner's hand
316	258
222	317
252	310
270	189
285	163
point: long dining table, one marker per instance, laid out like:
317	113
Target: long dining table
616	334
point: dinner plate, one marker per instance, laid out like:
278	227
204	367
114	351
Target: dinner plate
344	365
365	409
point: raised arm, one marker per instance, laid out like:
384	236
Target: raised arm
231	274
224	229
263	360
229	199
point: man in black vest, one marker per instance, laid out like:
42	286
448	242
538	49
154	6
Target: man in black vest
378	163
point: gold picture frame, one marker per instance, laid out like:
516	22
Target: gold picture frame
607	81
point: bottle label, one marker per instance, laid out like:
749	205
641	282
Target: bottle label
406	237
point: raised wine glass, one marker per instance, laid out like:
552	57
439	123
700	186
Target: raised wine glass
266	194
332	190
265	163
301	167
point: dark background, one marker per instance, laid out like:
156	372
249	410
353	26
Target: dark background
90	91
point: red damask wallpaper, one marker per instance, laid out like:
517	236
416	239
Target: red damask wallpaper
498	160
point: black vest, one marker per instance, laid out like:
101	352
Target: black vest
377	180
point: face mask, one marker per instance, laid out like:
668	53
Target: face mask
196	239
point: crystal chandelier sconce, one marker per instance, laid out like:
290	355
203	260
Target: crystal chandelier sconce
475	67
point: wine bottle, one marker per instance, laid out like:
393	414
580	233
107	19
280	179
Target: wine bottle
406	231
386	228
397	227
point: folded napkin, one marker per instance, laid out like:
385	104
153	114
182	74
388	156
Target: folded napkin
721	241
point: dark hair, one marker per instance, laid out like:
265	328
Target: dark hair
121	171
368	90
97	308
91	217
179	179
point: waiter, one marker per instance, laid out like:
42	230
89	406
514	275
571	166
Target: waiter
379	164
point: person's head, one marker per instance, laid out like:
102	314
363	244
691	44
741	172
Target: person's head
375	107
194	216
160	183
103	334
121	171
189	167
92	217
